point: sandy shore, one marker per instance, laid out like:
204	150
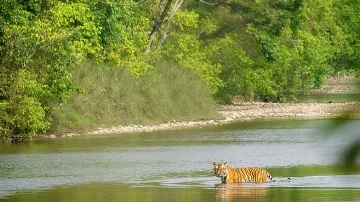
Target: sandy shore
244	112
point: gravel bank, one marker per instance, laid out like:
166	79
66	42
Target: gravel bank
251	111
245	112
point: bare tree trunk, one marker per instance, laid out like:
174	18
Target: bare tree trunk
157	24
176	7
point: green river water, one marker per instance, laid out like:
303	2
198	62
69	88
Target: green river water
177	165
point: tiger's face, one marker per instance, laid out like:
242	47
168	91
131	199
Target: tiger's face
220	169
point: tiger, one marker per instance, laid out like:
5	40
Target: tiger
249	174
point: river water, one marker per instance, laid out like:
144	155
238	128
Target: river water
177	165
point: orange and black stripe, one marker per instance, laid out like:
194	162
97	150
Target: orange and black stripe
250	174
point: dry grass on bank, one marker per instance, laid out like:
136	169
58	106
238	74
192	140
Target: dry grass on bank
115	97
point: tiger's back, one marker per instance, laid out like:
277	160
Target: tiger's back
250	174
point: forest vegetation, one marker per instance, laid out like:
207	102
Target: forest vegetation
71	64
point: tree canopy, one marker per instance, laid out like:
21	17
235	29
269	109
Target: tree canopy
269	50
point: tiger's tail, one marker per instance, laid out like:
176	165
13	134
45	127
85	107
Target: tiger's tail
270	177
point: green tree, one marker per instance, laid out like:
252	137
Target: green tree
347	56
124	30
270	50
39	40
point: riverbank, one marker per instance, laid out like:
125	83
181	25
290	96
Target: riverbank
244	111
338	85
248	111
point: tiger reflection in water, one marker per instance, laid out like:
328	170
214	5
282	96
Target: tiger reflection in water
237	192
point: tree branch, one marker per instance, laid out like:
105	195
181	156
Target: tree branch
177	5
211	4
157	25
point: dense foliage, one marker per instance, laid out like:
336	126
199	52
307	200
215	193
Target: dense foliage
259	49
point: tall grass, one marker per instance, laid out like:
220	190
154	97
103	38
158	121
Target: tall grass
116	97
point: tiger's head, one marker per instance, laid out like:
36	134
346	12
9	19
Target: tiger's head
220	169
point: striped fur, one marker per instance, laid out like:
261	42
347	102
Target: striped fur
230	175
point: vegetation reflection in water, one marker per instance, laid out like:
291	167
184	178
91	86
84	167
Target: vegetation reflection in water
176	166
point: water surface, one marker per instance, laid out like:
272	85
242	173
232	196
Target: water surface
177	165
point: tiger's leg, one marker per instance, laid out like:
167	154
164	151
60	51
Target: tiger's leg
223	180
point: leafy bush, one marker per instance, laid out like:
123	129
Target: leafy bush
22	113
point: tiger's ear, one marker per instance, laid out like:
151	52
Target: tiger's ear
225	164
214	163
